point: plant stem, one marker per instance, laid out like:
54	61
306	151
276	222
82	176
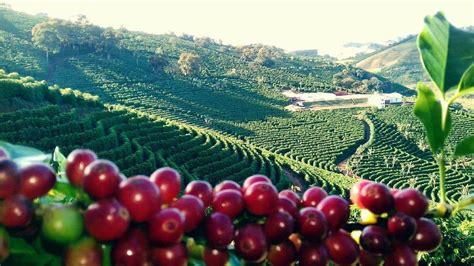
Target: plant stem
442	176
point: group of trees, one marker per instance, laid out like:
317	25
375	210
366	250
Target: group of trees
55	36
260	54
359	81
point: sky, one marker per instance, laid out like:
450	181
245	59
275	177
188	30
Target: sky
290	24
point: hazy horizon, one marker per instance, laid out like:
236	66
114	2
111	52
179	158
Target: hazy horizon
292	25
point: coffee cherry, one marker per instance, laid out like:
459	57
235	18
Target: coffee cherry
200	189
401	255
77	161
101	179
193	210
376	197
62	225
282	254
411	202
227	184
254	179
355	192
219	230
369	259
342	249
86	251
313	254
312	224
313	196
427	237
260	198
36	180
215	257
166	227
228	202
140	196
132	249
168	181
286	205
290	194
278	226
9	178
175	255
250	243
106	219
374	239
336	210
401	227
4	155
16	211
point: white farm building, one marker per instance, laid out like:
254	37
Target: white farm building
379	100
315	99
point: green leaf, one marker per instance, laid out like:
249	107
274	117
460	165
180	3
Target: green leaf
18	246
59	163
430	112
23	155
446	51
233	259
466	85
465	147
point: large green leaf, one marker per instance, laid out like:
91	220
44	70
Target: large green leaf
18	151
430	113
446	51
465	147
466	85
23	155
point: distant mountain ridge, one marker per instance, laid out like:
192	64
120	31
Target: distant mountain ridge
399	62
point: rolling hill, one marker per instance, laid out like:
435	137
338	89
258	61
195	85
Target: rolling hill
228	105
400	63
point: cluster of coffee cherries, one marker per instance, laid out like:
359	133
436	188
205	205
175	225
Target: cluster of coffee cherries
396	228
148	221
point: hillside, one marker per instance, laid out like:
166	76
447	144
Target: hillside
232	94
137	142
400	63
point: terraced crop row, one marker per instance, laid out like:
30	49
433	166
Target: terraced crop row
321	139
406	123
398	162
136	144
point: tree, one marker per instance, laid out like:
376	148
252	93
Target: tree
108	41
189	63
45	36
264	57
158	61
204	41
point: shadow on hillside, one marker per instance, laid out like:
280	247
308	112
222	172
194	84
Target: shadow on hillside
231	104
